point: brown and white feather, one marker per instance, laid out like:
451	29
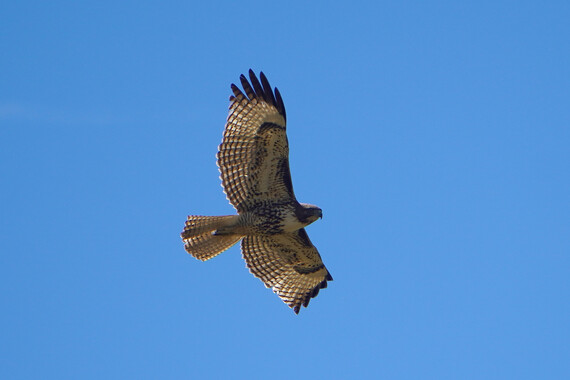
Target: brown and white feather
253	157
289	264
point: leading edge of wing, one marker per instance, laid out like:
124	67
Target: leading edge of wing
260	91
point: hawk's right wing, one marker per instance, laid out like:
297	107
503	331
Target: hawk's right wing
254	154
289	264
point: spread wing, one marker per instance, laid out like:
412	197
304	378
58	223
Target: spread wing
253	157
289	263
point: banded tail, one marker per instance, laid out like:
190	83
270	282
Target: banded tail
203	237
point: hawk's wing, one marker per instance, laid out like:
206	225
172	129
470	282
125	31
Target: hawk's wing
254	154
289	263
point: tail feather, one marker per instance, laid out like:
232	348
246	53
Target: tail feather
200	239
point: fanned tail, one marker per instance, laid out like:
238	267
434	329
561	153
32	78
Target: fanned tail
207	236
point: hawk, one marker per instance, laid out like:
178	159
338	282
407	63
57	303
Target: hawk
253	160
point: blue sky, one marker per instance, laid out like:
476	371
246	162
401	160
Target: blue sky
434	136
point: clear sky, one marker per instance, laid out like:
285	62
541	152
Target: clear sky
435	136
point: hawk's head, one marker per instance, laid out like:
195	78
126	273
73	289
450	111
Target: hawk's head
309	213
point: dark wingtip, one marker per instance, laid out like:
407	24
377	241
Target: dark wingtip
259	93
279	103
261	90
313	293
247	87
267	89
235	89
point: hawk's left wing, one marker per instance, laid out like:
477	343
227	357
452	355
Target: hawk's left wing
289	264
254	154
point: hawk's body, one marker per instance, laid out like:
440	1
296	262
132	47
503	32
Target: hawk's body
253	159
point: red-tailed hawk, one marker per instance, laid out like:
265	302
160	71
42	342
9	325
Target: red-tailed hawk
253	159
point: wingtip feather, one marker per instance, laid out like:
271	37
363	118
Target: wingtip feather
254	89
235	89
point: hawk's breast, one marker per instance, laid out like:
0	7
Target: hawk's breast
291	223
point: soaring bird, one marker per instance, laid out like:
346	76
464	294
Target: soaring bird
253	160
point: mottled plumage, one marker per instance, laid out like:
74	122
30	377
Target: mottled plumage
253	159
